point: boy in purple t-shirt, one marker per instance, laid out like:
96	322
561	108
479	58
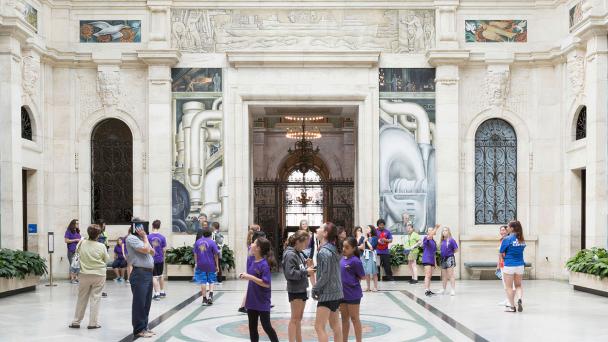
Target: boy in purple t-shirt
159	243
206	256
119	265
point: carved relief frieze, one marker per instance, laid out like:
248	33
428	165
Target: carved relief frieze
108	87
397	31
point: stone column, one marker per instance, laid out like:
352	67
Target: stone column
446	140
596	89
157	160
10	143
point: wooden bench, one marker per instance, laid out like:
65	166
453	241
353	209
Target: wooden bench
475	268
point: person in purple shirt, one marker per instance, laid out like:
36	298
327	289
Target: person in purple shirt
72	237
257	302
207	262
351	269
385	237
448	261
119	265
159	243
429	247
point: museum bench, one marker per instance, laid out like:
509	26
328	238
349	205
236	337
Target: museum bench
477	267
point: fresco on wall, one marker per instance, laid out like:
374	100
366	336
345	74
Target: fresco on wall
407	80
196	79
198	153
496	31
576	14
407	154
110	31
30	14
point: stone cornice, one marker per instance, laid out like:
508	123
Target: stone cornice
362	59
168	57
438	57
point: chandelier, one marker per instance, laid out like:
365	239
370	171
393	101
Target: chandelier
303	147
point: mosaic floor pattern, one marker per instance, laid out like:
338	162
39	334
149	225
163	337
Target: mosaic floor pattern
395	322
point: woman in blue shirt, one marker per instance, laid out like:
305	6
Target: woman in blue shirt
512	250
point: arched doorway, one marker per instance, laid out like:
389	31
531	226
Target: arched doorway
112	172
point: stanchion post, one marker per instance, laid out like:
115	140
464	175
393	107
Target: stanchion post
51	250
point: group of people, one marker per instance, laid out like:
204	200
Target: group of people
332	261
138	256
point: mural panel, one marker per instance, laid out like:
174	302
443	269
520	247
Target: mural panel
496	31
30	14
576	14
110	31
397	31
198	154
407	151
196	79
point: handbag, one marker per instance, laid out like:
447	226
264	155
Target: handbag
498	274
75	265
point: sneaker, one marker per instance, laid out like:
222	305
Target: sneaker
428	293
441	291
156	297
117	280
162	295
504	303
210	301
127	281
205	301
242	310
104	295
520	307
452	293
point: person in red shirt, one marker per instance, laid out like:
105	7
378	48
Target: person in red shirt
384	239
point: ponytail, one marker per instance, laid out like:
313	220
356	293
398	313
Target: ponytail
300	235
351	241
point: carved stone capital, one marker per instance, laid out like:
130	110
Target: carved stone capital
447	81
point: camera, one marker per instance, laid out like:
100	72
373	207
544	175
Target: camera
137	223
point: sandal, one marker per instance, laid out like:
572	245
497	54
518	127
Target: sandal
94	327
74	326
150	332
144	334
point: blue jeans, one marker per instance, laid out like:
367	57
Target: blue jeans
141	288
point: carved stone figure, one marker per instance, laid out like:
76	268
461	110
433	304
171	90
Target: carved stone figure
31	74
497	86
576	74
416	30
108	87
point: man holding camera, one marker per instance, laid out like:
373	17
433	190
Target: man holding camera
140	254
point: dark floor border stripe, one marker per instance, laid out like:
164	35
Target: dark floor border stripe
446	318
165	316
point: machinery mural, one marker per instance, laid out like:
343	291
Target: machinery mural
407	152
198	175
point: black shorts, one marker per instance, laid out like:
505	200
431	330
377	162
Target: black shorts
332	305
352	301
158	269
426	264
294	295
119	263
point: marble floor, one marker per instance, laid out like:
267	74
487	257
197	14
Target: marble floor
399	312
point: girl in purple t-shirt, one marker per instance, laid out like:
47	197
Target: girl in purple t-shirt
351	270
429	247
257	302
448	261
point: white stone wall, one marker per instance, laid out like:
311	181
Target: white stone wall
549	78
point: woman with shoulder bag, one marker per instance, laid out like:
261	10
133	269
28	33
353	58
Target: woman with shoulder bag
93	258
